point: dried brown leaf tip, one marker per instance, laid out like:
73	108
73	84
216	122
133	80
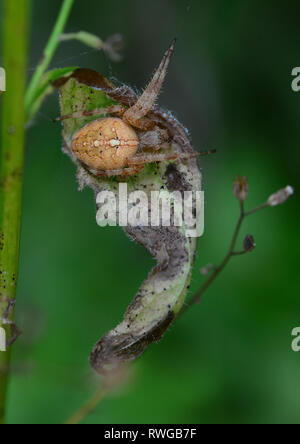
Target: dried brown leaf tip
249	243
114	46
281	196
240	188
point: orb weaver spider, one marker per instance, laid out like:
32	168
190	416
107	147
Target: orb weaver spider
121	145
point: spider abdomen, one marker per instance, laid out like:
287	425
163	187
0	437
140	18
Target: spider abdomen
105	144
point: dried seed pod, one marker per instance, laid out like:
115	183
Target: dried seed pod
240	188
113	46
281	196
249	243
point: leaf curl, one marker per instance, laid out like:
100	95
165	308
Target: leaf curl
162	295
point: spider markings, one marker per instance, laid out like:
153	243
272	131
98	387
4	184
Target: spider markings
105	144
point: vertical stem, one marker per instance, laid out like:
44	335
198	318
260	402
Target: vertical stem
15	37
49	51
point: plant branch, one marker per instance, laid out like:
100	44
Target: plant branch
241	191
257	209
16	17
87	408
217	270
116	378
49	51
241	194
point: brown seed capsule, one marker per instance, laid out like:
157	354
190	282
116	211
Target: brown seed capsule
105	144
249	243
241	188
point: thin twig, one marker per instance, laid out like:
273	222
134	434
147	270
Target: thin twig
87	408
48	54
114	379
217	270
257	209
239	253
240	190
16	17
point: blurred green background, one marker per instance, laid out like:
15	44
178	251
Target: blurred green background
229	359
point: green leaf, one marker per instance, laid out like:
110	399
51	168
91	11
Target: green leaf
46	88
162	295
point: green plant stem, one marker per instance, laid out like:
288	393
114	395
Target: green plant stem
16	17
49	51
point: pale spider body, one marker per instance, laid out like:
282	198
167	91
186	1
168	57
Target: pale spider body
123	144
105	144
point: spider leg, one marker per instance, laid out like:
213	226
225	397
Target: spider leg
144	104
142	159
116	109
144	124
155	140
